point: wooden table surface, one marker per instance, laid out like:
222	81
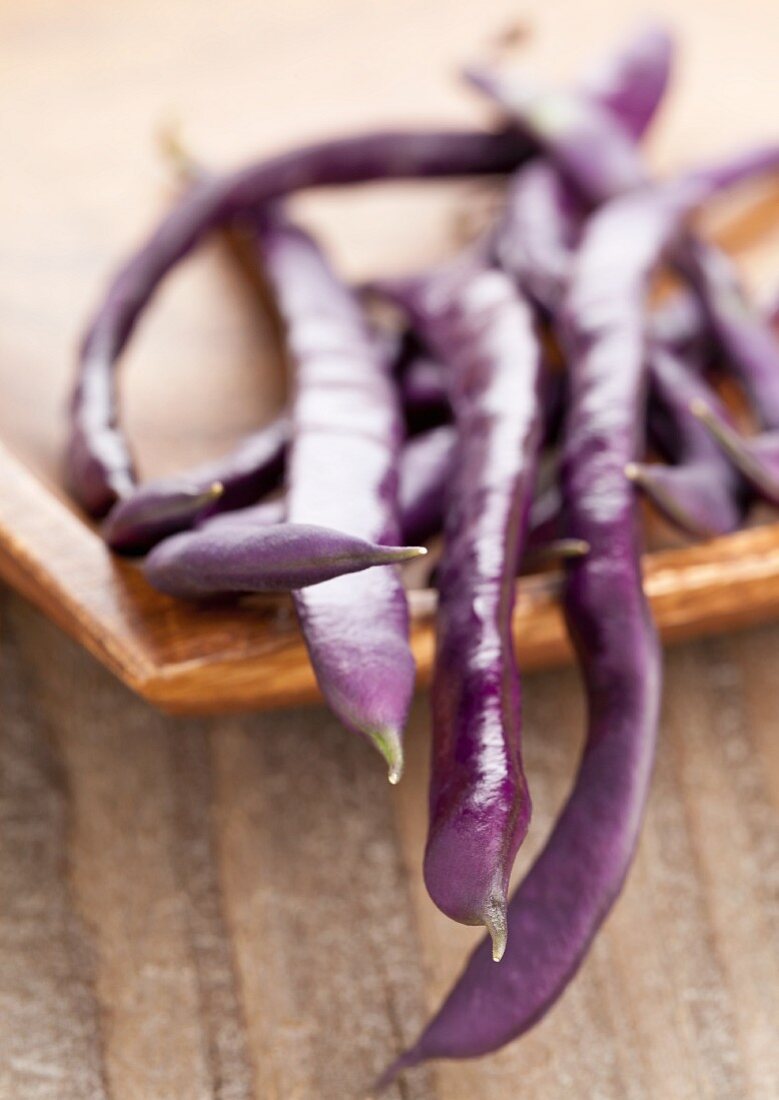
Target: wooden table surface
232	908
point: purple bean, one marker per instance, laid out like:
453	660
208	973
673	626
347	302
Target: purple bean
99	465
257	557
750	349
264	514
701	493
631	81
425	465
423	386
342	473
536	235
171	504
534	245
571	887
590	147
483	331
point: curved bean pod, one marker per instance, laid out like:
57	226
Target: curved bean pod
256	557
542	218
701	493
99	464
483	331
591	148
342	473
167	505
566	895
750	348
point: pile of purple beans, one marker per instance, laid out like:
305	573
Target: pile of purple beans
432	417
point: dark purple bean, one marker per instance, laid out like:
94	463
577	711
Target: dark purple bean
747	341
750	350
425	394
701	493
756	458
569	890
425	466
257	557
171	504
536	235
483	331
99	466
342	473
147	516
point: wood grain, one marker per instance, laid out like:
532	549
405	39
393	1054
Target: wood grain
231	908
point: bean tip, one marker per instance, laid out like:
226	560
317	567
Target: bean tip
496	924
738	450
389	554
390	746
633	471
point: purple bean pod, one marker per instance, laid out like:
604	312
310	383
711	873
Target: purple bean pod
477	325
630	82
342	473
569	890
542	217
263	514
591	148
750	350
254	467
256	557
701	493
99	465
167	505
425	467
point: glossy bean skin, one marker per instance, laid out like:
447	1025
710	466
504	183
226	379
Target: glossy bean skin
342	472
568	892
99	465
236	558
483	332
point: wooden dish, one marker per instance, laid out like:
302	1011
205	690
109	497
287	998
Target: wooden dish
194	384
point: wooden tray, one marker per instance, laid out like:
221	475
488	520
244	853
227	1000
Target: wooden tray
203	369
